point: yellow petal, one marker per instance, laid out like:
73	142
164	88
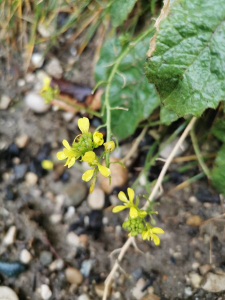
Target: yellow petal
122	197
66	144
83	124
156	239
61	155
130	194
144	235
142	213
89	157
71	162
67	162
98	138
157	230
133	213
88	175
118	208
104	170
68	153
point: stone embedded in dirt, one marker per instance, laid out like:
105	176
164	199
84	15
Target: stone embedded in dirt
119	176
165	152
73	239
205	269
195	279
188	291
7	294
68	116
4	102
22	140
20	171
54	68
86	267
25	256
45	258
83	297
57	264
10	236
76	193
194	221
55	218
46	293
10	192
36	103
151	297
96	200
31	178
10	268
214	283
137	290
73	275
37	60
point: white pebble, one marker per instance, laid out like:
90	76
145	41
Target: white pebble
37	60
7	294
22	140
46	293
10	236
136	291
57	264
31	178
68	116
21	82
96	200
73	239
55	218
4	102
83	297
25	256
36	103
54	68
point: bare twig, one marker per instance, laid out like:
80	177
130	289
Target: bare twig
151	197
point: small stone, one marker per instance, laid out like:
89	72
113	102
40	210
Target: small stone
46	293
99	290
188	291
76	193
25	256
45	258
86	267
11	268
84	240
36	103
4	102
194	221
214	283
83	297
21	82
68	116
7	294
46	30
55	218
37	60
57	264
195	265
96	200
137	290
22	141
73	239
54	68
195	279
31	178
204	269
10	236
73	275
165	152
20	171
151	297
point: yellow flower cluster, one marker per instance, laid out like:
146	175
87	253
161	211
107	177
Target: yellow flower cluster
136	223
82	147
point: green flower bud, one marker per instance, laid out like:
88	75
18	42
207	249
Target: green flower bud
109	146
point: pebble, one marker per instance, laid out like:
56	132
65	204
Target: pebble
37	60
83	297
151	297
46	293
99	290
86	267
195	265
10	268
188	291
46	30
137	290
73	275
84	240
10	236
165	152
194	221
31	178
96	200
45	258
205	269
4	102
119	176
25	256
36	103
22	140
57	264
73	239
68	116
55	218
214	283
54	68
76	194
7	294
195	279
20	171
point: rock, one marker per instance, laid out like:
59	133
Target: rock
205	269
54	68
214	283
119	176
20	171
25	256
10	192
46	30
99	290
73	275
151	297
46	293
45	258
22	140
37	60
56	218
165	152
195	265
36	103
4	102
73	239
10	236
76	194
7	294
83	297
188	291
68	116
195	279
137	290
86	267
96	200
11	269
31	178
84	240
194	221
57	264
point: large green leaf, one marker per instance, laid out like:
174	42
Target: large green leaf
120	9
188	63
130	88
167	116
219	130
218	173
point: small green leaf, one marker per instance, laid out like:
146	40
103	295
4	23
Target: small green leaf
218	130
167	116
218	173
187	65
119	11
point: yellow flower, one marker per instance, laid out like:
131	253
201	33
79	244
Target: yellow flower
151	234
46	85
98	139
109	146
83	124
89	157
68	153
88	175
127	203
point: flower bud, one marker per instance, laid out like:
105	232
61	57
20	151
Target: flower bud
109	146
98	139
